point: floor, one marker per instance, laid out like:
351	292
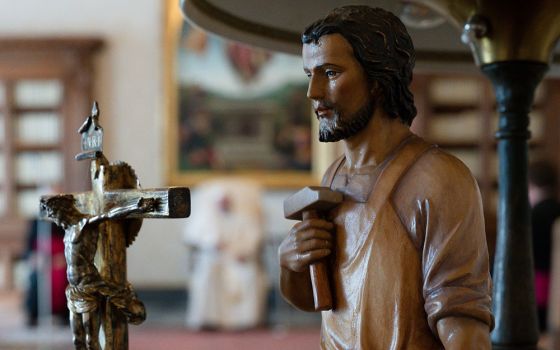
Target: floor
162	330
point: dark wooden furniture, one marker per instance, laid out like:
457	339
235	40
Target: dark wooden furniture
45	93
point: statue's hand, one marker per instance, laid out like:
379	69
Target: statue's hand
308	242
148	204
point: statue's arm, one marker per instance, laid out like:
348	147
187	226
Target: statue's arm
463	333
446	223
114	213
308	242
457	286
143	205
296	289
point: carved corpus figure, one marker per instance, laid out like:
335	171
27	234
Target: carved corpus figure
98	226
406	248
86	287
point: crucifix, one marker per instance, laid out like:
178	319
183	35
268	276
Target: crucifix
99	225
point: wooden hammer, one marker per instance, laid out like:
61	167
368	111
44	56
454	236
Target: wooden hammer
306	204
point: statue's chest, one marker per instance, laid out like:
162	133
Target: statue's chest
353	222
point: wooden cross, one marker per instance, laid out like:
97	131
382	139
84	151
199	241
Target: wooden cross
99	225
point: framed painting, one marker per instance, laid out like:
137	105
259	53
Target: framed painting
234	109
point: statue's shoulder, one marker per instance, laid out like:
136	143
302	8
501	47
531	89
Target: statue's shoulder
439	162
437	185
437	171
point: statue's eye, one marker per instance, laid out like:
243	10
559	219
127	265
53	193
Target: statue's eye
331	73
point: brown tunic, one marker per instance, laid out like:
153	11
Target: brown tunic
409	252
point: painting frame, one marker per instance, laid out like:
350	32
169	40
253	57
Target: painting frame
177	176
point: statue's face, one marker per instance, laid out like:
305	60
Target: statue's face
338	87
57	211
54	215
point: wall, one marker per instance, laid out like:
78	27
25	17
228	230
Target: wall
129	85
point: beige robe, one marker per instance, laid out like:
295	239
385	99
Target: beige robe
410	250
228	284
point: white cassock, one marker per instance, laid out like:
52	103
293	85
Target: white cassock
228	285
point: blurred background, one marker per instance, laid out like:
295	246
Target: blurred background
187	107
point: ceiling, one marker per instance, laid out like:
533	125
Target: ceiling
277	24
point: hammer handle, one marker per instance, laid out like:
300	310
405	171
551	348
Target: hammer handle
319	277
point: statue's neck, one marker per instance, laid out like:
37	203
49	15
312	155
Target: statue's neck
375	142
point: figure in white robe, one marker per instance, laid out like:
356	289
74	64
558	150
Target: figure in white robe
228	284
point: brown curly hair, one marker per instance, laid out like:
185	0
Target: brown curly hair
63	209
383	47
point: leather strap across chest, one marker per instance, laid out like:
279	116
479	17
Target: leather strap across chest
406	155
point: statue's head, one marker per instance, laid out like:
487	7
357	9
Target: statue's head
61	209
383	48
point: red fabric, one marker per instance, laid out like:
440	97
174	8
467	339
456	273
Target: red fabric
542	285
58	275
58	272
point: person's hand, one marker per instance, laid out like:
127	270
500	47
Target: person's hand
148	204
308	241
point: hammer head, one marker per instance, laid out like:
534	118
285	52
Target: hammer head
310	198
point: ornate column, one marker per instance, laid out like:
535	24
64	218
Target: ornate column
511	42
514	296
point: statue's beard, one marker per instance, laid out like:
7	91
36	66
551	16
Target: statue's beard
340	127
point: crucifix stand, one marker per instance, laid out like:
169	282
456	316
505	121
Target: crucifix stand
99	225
